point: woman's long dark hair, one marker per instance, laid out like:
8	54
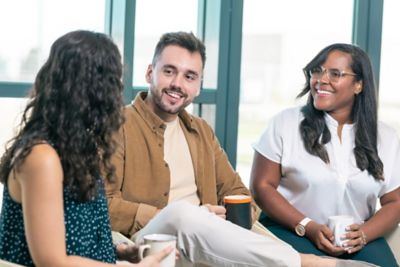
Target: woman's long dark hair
76	106
314	131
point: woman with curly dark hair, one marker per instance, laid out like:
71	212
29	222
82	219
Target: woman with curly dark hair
54	209
328	158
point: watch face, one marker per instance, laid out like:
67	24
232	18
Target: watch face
300	230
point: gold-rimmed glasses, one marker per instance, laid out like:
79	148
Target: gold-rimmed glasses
333	74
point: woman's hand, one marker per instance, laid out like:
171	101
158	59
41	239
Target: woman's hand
356	239
154	260
323	238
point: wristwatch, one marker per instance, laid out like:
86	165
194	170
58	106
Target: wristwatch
300	228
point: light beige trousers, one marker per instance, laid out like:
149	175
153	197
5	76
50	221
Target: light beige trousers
203	237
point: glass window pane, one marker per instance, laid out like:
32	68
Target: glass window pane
212	28
389	95
153	18
205	111
32	26
278	41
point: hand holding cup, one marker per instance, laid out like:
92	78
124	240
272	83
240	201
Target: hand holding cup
154	244
339	225
238	210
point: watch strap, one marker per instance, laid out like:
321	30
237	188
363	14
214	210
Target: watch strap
305	221
300	228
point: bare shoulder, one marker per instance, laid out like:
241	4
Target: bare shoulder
42	158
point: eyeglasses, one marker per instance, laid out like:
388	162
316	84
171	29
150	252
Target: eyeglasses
333	74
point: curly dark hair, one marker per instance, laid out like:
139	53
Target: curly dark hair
75	105
314	131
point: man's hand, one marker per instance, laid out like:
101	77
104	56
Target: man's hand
127	252
217	210
322	237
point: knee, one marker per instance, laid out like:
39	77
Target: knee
181	215
177	211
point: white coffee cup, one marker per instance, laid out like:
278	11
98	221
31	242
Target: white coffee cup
338	226
154	243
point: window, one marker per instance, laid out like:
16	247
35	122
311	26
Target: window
279	39
28	28
32	26
389	96
153	18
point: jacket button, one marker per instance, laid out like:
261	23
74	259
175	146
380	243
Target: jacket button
166	165
166	194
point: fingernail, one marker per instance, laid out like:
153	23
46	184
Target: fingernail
347	228
343	237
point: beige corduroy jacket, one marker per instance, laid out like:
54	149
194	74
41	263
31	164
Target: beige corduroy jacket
143	178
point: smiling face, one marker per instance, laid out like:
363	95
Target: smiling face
336	98
174	81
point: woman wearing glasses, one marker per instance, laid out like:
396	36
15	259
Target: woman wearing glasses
54	208
331	157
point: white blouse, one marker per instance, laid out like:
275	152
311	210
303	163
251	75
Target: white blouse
320	190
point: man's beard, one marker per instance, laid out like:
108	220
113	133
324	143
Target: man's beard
168	108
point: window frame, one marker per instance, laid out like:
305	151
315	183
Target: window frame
367	33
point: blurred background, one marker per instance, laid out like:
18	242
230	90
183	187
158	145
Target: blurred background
256	50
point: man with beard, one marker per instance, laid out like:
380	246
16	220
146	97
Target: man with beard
172	174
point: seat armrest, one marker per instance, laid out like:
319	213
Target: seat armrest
262	230
4	263
393	239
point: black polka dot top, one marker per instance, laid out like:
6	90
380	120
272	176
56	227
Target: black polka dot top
88	232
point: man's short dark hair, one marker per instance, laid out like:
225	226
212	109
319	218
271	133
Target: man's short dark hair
182	39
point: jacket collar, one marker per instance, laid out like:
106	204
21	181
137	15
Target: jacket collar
152	119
